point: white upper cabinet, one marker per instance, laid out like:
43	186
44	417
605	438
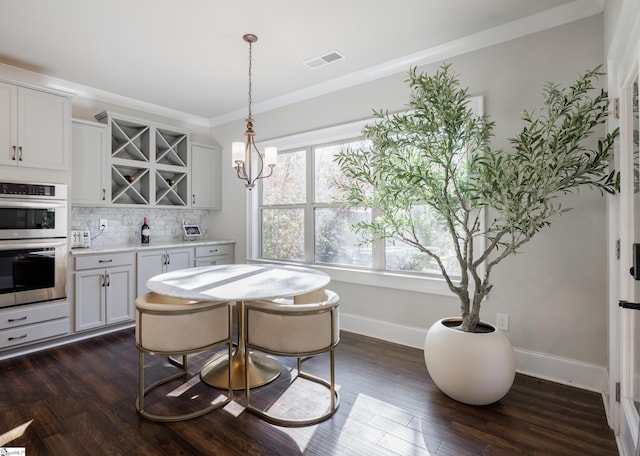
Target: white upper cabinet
206	188
88	157
34	128
8	123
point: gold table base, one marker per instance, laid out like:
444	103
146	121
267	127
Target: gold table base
262	368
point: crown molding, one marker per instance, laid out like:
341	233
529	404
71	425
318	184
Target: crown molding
570	12
22	76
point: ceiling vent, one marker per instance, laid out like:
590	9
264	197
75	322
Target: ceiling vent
323	60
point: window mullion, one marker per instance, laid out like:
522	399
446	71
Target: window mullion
309	222
379	259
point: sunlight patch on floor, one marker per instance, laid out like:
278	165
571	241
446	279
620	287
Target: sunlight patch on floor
185	386
300	435
300	400
234	408
385	424
14	433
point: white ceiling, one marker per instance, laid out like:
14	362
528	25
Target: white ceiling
188	56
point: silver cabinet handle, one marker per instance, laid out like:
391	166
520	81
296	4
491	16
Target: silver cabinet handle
19	153
168	259
193	199
105	261
13	157
11	320
104	194
108	276
24	336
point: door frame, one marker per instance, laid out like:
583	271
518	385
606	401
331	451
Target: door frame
624	319
622	62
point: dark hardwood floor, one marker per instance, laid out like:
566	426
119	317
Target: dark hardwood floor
79	400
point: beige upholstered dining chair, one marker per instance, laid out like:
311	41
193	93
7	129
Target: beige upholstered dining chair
171	326
307	327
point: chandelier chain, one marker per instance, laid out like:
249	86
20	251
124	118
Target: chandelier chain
250	99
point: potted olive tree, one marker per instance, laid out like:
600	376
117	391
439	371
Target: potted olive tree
438	156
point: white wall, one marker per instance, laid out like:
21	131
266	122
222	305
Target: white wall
555	292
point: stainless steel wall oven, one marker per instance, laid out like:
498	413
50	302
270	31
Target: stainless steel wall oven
33	242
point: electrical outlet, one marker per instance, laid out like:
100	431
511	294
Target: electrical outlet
502	321
104	224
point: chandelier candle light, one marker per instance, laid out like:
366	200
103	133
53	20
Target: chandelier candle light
242	153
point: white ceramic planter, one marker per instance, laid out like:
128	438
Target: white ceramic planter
473	368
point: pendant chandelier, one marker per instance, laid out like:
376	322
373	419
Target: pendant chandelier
243	153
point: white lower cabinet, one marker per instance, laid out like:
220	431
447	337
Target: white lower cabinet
104	289
34	322
154	262
212	255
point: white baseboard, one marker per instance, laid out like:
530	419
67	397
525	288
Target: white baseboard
391	332
562	370
541	365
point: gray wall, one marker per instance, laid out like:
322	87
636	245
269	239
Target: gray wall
555	292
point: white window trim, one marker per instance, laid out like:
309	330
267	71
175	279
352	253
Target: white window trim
386	279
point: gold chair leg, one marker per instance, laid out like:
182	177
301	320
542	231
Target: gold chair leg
335	398
142	392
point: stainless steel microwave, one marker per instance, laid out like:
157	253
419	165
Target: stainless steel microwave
33	211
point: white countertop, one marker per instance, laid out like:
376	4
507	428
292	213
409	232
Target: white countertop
151	246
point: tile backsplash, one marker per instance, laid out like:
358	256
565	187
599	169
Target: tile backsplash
124	223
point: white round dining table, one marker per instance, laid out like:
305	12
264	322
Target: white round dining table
239	283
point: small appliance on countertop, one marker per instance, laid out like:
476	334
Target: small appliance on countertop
191	232
80	239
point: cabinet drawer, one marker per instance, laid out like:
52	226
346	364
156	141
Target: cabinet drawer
214	260
216	249
26	315
103	261
31	333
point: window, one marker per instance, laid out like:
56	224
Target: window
286	199
294	219
300	222
284	196
402	257
334	241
